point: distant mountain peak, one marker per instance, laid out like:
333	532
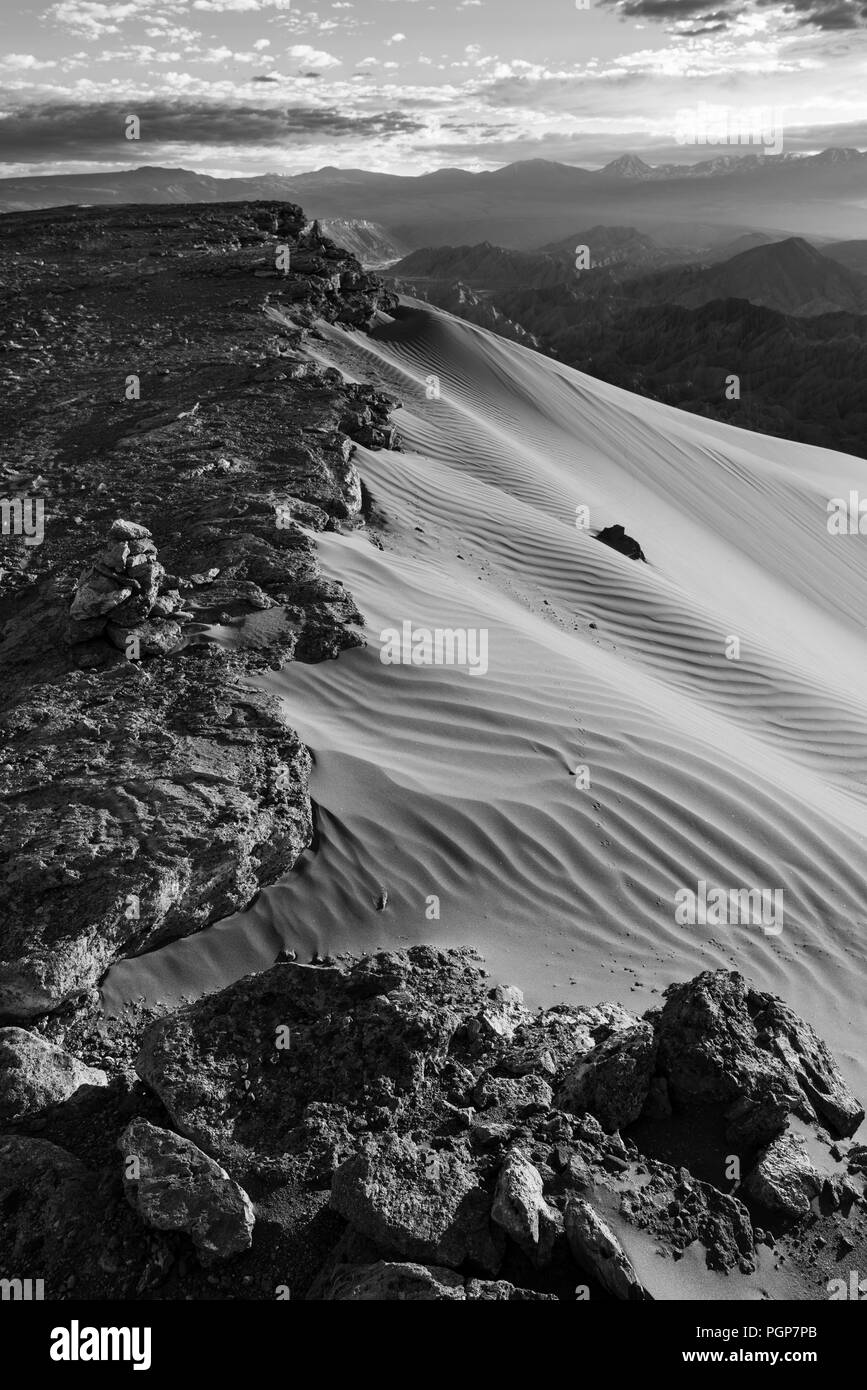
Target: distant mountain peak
628	166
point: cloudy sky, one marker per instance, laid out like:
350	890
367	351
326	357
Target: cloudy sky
405	86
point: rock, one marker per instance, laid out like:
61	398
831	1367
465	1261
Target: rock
152	638
388	1281
613	1080
784	1178
520	1208
616	537
721	1042
596	1249
128	531
363	1037
176	1187
430	1211
162	824
34	1073
522	1096
98	594
504	1014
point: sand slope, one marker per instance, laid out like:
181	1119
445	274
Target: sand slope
431	782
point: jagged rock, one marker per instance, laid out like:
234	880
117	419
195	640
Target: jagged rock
424	1205
719	1041
614	1079
599	1253
520	1208
784	1178
176	1187
34	1073
616	537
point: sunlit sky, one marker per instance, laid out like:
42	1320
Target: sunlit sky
404	86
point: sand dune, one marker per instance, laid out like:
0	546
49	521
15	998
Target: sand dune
432	783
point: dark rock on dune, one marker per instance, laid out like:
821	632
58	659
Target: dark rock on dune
616	537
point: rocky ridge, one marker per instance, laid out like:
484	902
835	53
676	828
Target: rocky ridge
162	406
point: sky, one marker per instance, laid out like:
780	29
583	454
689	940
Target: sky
239	87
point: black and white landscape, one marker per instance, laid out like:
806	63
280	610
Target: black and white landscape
432	589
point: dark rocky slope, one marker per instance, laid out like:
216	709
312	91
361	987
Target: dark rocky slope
396	1127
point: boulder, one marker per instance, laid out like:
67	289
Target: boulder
34	1073
721	1042
424	1205
596	1249
176	1187
784	1178
351	1038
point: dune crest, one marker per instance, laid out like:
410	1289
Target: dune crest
639	729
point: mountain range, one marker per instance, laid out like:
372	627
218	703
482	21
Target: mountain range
696	204
788	320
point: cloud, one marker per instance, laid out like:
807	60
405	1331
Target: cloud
25	62
691	17
95	132
312	58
